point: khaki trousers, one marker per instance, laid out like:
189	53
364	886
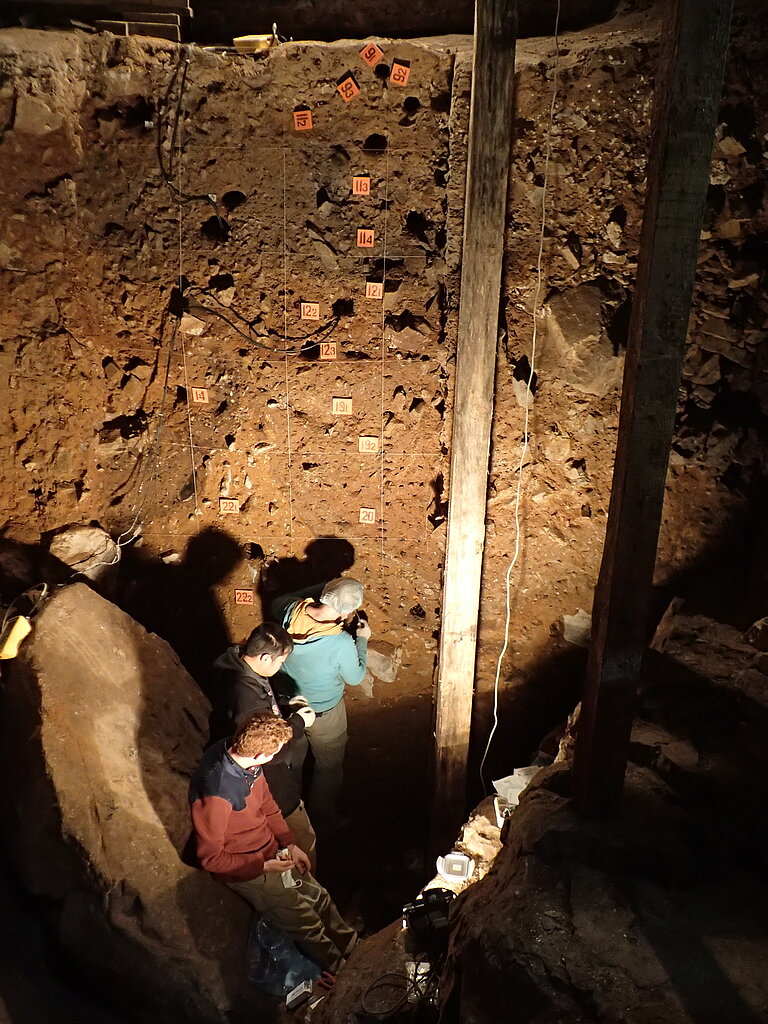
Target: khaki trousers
328	741
306	914
298	822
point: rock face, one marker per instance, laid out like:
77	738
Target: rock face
656	915
717	652
87	550
115	417
101	729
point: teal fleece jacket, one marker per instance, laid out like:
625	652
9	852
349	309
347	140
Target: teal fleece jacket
318	668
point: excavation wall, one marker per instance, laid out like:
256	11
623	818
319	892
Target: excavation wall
215	438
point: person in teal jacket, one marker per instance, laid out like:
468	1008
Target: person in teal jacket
325	658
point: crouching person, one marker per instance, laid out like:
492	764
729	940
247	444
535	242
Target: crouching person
239	830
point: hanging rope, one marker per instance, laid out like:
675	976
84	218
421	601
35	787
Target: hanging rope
526	425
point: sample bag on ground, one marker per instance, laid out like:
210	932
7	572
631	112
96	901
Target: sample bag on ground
274	963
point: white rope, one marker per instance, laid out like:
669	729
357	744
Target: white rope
524	448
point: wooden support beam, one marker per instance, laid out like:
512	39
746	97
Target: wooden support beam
490	137
688	86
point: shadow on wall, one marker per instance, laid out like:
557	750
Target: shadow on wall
728	578
727	581
377	864
528	709
324	559
177	601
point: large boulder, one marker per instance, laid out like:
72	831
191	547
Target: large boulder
101	727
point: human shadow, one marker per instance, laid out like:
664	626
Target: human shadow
324	559
177	601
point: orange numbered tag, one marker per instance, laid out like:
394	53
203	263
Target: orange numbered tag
310	311
341	406
371	54
368	445
347	87
200	395
302	119
400	73
229	506
361	186
244	597
364	238
367	515
327	349
374	290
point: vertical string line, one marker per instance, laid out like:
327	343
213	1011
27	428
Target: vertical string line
285	346
179	153
383	347
526	432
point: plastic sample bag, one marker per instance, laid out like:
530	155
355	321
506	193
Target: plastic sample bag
274	963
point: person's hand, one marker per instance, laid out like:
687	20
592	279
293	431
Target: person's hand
364	629
280	863
307	714
300	859
298	701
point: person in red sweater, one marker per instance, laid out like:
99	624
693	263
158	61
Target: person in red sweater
239	831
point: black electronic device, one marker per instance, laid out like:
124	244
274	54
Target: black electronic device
426	919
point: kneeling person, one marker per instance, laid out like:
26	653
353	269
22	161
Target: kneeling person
239	829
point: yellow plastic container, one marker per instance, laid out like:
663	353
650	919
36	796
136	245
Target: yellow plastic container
252	44
10	643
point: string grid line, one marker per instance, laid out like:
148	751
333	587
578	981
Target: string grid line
285	343
526	424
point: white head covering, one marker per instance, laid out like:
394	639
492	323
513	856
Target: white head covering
343	595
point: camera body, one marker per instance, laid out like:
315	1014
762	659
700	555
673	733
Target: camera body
356	620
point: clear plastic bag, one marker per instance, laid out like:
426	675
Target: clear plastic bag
274	963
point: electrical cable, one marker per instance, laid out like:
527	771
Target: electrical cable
42	587
387	981
526	433
156	444
423	987
318	332
129	534
167	175
177	136
327	326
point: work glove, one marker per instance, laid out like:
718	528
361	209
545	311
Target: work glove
307	714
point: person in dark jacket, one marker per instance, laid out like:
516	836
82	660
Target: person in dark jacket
241	678
243	841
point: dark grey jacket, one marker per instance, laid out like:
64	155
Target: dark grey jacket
239	690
